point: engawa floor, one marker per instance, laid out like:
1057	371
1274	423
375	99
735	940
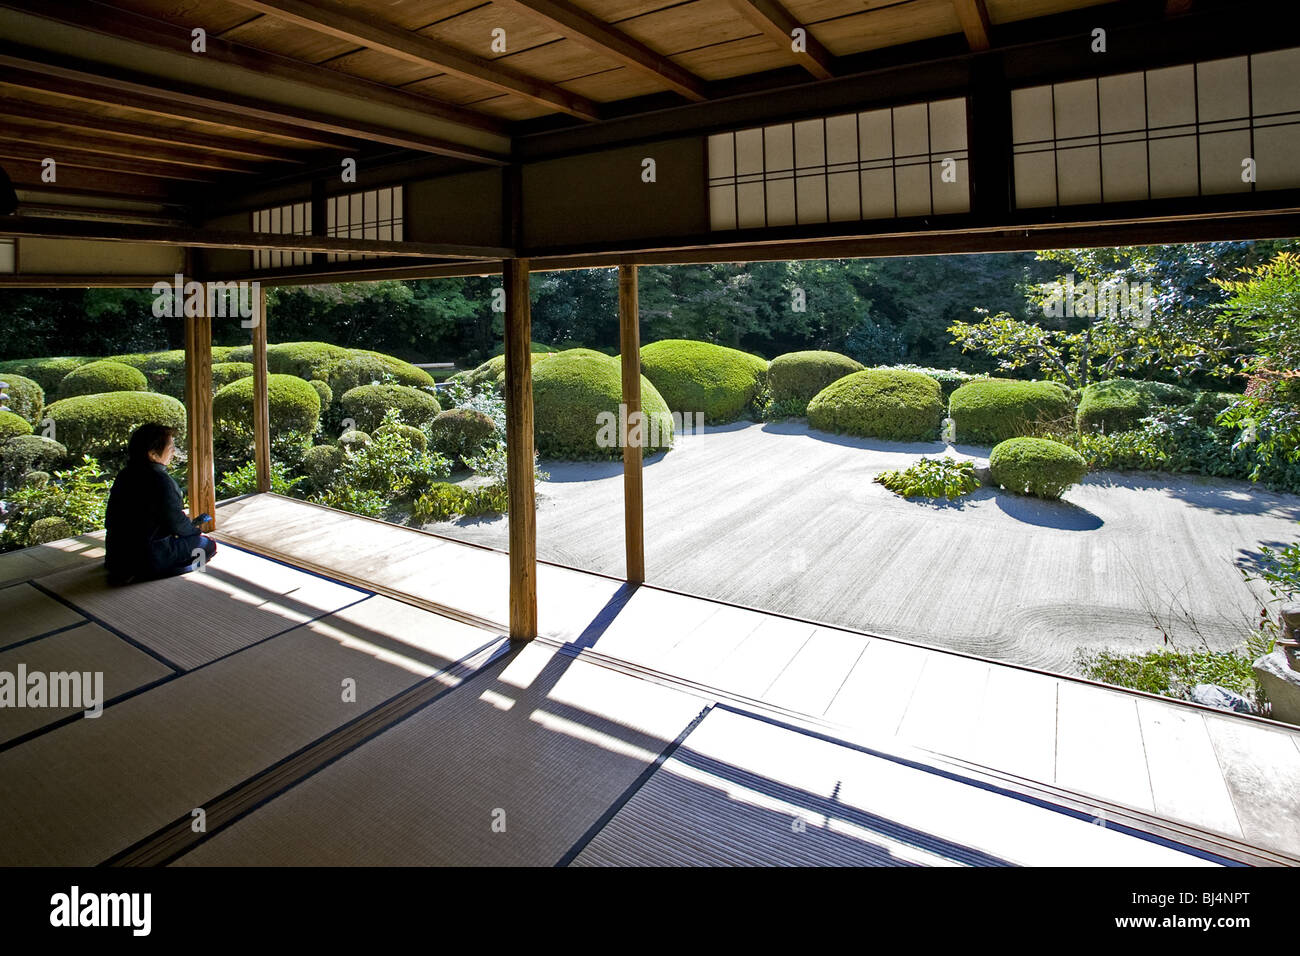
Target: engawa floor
313	716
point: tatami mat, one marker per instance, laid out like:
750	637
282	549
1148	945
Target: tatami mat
26	612
91	788
512	768
46	558
88	649
741	791
239	599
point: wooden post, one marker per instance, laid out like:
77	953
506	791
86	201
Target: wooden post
198	408
519	453
261	400
629	324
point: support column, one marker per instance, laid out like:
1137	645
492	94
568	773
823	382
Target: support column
629	325
261	400
519	453
198	407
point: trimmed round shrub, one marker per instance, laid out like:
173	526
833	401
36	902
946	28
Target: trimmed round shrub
366	405
949	379
46	372
1205	408
353	439
576	397
223	373
461	433
493	371
12	425
97	378
342	368
24	397
1036	466
995	409
324	391
44	530
36	479
880	403
99	425
798	376
321	463
294	405
26	453
702	377
414	437
1120	404
165	371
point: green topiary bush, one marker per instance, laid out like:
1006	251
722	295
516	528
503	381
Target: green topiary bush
165	371
1206	406
932	478
416	438
12	425
1119	404
1036	466
44	530
321	465
493	371
22	454
324	391
795	377
99	425
949	379
461	433
223	373
992	410
575	393
46	372
880	403
294	407
701	377
366	405
97	378
352	439
23	396
341	368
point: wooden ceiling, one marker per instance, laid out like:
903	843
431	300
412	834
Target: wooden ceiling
114	92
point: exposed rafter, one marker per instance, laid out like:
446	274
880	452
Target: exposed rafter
334	20
775	21
83	143
581	27
974	17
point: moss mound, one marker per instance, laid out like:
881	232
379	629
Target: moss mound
99	425
796	377
493	371
223	373
575	393
880	403
995	409
1119	404
294	406
24	397
1036	466
12	426
46	372
702	377
96	378
366	405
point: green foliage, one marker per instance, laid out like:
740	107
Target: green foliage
493	371
573	391
44	530
100	425
795	377
324	391
462	433
96	378
26	453
294	406
341	368
371	477
880	403
1172	673
77	496
1121	403
949	379
1036	466
445	502
367	405
992	410
243	481
418	439
932	478
12	425
353	439
721	382
165	371
223	373
23	396
321	465
46	372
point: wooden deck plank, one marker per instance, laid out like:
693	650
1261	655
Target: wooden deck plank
814	677
1099	747
1017	724
752	667
697	658
876	693
1186	780
652	623
943	713
1262	770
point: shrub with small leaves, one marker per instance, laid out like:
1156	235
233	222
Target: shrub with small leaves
1036	466
243	481
49	529
321	465
445	502
22	396
462	433
932	478
24	453
78	495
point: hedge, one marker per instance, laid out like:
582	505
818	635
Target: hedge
165	371
26	453
366	405
702	377
12	425
99	425
321	463
223	373
1206	406
341	368
414	436
294	406
1119	404
797	376
574	394
25	397
880	403
461	433
45	530
992	410
97	378
493	371
46	372
324	391
1036	466
949	379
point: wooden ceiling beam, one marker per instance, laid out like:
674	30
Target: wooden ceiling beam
776	22
86	159
59	139
159	34
974	17
334	20
91	184
595	34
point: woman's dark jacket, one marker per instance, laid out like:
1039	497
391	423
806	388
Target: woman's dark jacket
148	531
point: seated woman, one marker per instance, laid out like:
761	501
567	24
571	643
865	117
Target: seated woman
149	534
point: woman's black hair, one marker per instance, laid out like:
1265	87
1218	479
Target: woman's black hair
148	438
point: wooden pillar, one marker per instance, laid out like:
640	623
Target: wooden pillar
519	453
198	407
261	400
629	324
